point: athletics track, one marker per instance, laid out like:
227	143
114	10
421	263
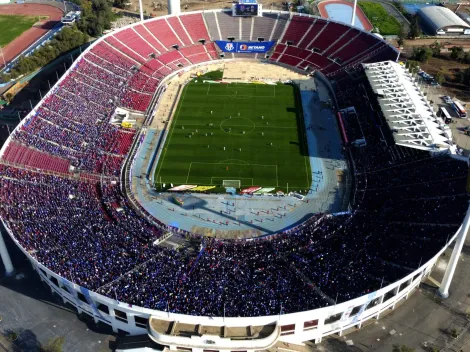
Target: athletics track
338	13
38	30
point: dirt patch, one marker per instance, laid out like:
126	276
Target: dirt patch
450	68
160	8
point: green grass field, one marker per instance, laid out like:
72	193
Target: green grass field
225	131
13	26
378	16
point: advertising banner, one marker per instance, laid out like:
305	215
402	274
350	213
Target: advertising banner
244	47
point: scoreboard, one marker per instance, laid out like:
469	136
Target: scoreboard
246	9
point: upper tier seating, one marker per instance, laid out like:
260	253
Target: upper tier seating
162	30
245	27
177	26
229	26
195	26
126	67
298	27
134	41
150	38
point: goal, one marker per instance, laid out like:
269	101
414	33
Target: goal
231	183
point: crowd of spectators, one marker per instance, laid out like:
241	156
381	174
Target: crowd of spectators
406	207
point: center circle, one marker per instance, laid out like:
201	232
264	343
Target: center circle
237	125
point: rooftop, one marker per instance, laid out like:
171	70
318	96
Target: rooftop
407	111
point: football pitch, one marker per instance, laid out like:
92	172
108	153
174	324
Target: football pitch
251	133
12	26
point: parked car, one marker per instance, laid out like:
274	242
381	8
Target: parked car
447	99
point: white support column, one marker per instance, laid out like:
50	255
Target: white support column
141	11
454	259
5	257
353	19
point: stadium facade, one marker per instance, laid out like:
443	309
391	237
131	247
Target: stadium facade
305	44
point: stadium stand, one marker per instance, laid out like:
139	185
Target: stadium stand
405	207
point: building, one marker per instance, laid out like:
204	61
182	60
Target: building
438	20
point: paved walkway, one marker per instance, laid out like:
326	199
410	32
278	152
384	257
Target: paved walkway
421	322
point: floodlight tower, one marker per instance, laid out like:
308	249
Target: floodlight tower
454	258
141	10
174	7
353	17
5	257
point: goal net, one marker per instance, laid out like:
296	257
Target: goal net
231	183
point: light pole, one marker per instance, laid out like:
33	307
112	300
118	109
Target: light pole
353	19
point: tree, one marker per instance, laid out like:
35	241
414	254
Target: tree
401	38
65	40
402	348
96	17
412	65
456	53
422	54
466	57
440	77
436	48
54	345
415	29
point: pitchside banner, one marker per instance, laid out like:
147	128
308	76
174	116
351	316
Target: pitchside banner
244	47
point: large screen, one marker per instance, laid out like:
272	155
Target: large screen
246	10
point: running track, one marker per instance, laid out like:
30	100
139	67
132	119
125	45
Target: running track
27	38
359	13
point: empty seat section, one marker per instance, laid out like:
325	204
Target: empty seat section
281	24
359	45
229	26
212	25
297	52
198	58
212	50
163	72
178	28
135	42
161	30
150	38
290	60
248	56
192	50
195	26
263	26
318	60
332	32
344	40
136	101
246	27
124	49
153	65
170	57
29	157
298	26
317	27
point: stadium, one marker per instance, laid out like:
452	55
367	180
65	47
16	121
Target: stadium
376	198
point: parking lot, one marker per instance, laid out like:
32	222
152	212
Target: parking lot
436	94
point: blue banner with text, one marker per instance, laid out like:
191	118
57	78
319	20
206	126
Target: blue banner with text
244	47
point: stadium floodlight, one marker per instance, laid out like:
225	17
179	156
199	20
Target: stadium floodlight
353	18
5	258
141	11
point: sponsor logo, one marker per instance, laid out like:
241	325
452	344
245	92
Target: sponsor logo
229	47
245	47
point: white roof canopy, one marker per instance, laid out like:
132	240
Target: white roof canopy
408	113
